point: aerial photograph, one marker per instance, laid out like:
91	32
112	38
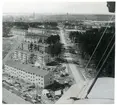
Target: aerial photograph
58	52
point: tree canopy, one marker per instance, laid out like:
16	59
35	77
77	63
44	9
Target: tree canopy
88	41
55	47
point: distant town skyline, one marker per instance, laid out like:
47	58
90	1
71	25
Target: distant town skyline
34	6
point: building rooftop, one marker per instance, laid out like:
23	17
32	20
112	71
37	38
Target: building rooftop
41	28
26	68
34	28
18	29
34	35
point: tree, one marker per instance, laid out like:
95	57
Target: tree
88	41
53	39
6	28
31	46
55	49
35	47
32	58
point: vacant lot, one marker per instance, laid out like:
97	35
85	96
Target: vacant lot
7	45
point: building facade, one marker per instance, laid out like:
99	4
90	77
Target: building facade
24	56
20	55
30	74
36	30
17	31
35	38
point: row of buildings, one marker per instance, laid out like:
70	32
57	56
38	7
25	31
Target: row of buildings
24	56
20	66
86	24
34	38
24	32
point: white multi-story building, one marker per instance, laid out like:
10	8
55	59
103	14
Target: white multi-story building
17	31
23	56
28	73
36	30
34	38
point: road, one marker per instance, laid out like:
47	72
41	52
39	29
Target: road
11	98
78	89
19	40
76	73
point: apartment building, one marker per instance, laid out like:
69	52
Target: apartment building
18	31
23	56
36	38
36	30
29	74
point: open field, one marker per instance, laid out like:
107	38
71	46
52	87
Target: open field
7	45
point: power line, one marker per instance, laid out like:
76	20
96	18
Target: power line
105	51
99	70
98	43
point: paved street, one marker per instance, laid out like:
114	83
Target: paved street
80	88
76	73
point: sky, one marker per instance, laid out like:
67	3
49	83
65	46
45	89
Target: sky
52	7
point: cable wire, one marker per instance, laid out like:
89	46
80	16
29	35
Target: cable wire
105	52
98	43
99	71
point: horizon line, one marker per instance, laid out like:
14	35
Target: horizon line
60	13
